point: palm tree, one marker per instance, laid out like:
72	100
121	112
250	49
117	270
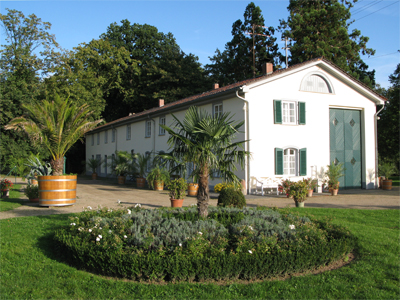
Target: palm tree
56	124
207	142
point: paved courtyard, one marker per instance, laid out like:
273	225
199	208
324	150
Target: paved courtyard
106	193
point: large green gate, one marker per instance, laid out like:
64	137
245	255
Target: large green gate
345	144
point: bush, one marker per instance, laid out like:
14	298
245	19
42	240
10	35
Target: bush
231	197
162	245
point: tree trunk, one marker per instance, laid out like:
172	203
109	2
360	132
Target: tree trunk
203	194
58	166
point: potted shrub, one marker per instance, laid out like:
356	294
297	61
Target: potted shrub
94	163
311	185
387	170
121	165
157	178
334	172
298	191
177	191
56	125
6	185
140	164
284	187
32	192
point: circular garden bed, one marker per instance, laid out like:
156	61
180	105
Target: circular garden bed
175	245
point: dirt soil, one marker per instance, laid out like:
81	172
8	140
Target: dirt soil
107	193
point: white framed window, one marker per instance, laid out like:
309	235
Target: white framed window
106	137
92	139
148	167
289	112
98	138
291	161
148	129
217	110
161	122
105	165
113	135
128	132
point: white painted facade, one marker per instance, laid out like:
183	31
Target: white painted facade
253	101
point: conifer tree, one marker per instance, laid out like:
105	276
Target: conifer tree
235	63
321	28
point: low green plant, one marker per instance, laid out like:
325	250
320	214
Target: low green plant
37	168
333	174
298	190
177	188
231	197
387	169
121	163
223	185
94	163
32	191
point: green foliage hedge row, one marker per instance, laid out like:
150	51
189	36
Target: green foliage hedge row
174	245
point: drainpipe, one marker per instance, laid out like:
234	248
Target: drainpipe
154	135
376	118
245	90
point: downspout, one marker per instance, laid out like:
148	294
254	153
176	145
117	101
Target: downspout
245	90
376	118
154	135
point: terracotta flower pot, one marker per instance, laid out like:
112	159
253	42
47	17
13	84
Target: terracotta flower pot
140	182
334	192
176	202
309	193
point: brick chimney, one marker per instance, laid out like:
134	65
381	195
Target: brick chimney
215	86
268	68
160	102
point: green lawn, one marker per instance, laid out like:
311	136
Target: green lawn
30	268
13	201
395	180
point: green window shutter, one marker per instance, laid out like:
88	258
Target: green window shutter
303	162
302	113
278	161
277	111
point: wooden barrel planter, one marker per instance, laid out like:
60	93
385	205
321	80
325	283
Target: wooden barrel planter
140	182
386	184
57	190
121	179
158	185
193	189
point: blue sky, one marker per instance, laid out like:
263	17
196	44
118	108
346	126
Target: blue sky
200	27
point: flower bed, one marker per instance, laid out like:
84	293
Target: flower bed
174	245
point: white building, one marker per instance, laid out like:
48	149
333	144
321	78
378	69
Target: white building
297	121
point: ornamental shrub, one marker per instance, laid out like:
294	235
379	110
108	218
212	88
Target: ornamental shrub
231	197
172	245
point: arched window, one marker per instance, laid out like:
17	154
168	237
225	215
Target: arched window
291	161
316	83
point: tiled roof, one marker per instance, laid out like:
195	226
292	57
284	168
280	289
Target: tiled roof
234	86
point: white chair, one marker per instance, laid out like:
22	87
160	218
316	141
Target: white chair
266	183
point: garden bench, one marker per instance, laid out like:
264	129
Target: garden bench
266	183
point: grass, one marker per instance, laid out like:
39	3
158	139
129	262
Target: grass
395	180
30	269
13	201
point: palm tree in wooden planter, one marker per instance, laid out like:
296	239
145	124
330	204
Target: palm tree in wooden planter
387	170
94	163
121	165
206	141
56	124
140	165
157	177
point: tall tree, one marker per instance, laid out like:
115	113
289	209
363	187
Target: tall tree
207	142
28	55
389	123
163	70
321	28
236	62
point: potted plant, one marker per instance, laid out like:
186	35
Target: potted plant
94	163
387	170
177	190
334	172
157	177
311	185
6	185
121	165
37	169
284	187
140	165
298	191
32	192
56	125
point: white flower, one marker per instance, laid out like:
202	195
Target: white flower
251	228
138	205
90	230
251	252
200	233
89	207
119	201
80	228
125	237
109	231
100	236
129	212
72	224
291	226
98	239
180	244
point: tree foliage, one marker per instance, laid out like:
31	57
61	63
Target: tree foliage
235	63
207	142
321	28
388	125
157	69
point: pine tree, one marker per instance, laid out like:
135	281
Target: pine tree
236	63
321	28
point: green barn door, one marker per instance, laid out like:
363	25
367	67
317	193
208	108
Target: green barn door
345	144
